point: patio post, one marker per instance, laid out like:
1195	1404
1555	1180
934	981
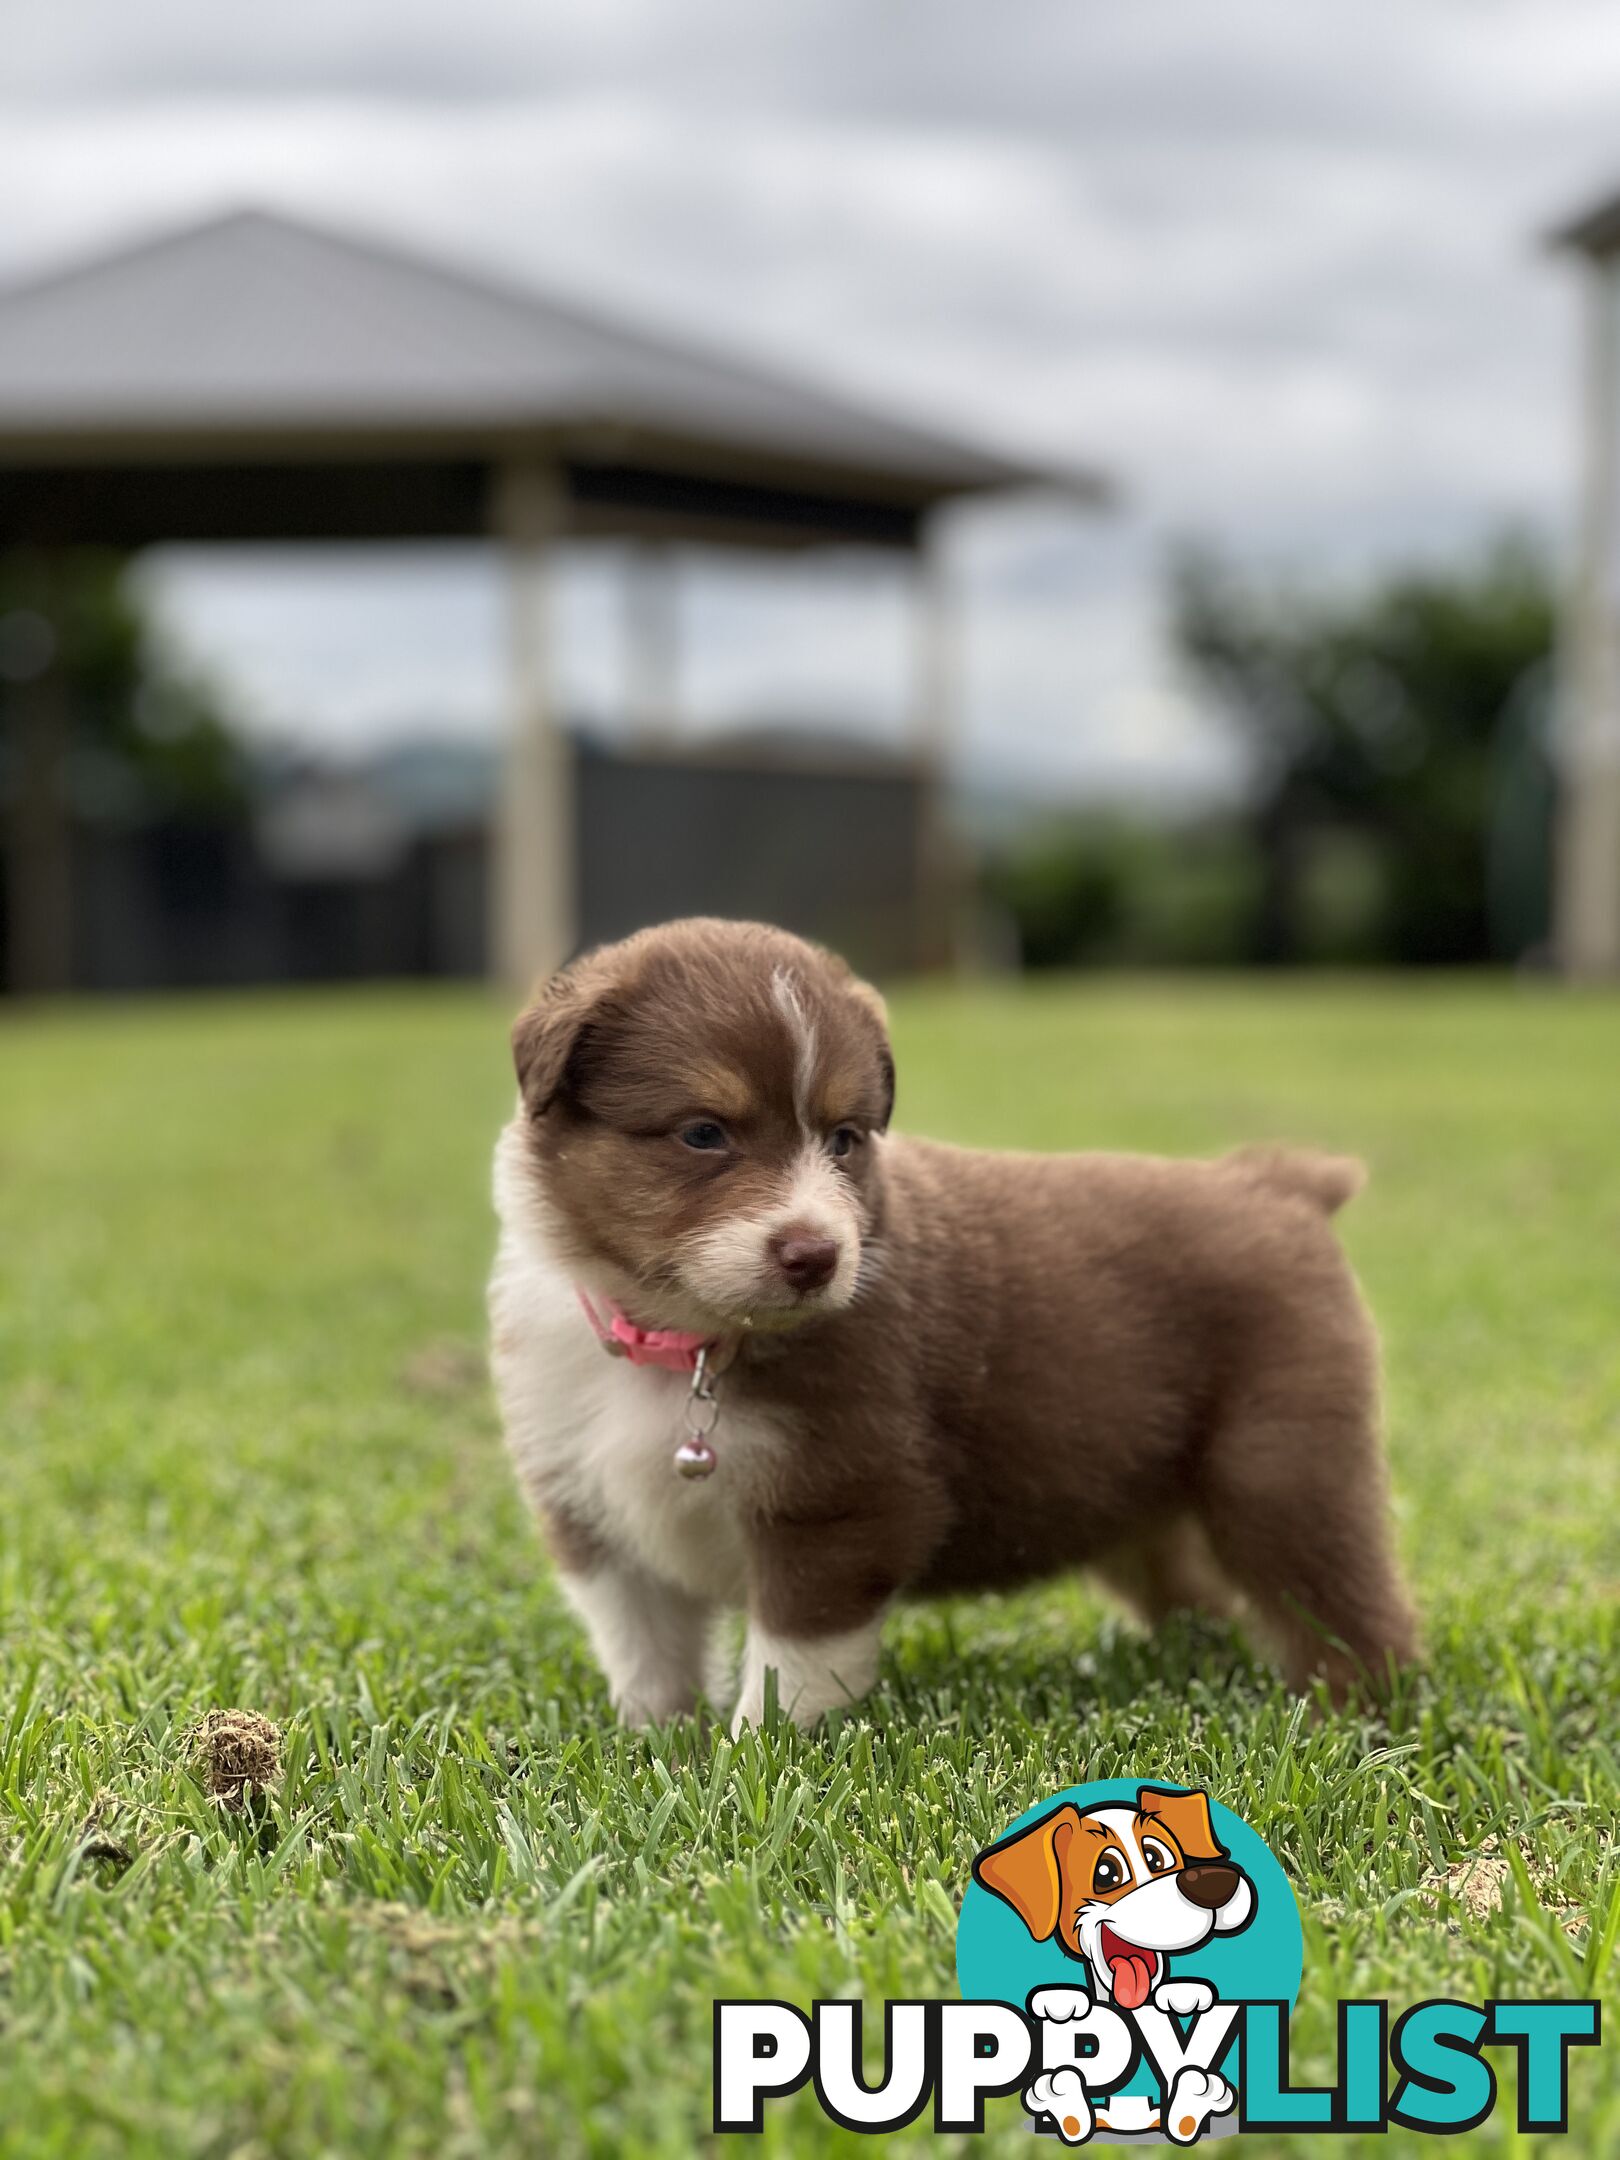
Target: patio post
935	722
1587	897
532	882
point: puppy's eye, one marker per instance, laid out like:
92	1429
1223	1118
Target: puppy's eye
1157	1857
842	1140
1108	1874
705	1136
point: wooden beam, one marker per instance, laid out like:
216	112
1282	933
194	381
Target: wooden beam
533	885
1587	881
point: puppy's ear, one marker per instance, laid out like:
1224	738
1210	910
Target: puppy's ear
1187	1818
871	1003
547	1035
1026	1870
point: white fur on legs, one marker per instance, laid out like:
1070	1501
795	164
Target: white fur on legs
813	1674
650	1639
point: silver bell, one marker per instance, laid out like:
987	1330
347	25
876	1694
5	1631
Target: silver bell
694	1458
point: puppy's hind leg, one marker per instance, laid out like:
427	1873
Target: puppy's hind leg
1170	1570
1294	1500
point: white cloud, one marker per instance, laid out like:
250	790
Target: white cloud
1274	265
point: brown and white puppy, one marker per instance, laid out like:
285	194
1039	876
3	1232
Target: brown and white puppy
944	1369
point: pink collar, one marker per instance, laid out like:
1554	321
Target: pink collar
674	1350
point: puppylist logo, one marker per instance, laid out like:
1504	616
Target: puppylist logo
1129	1955
1135	1897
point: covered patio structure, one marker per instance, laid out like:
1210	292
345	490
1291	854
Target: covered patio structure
1586	899
255	379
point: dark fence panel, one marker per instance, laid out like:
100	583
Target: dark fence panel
831	853
177	907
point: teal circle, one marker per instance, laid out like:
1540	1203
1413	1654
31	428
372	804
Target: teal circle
998	1961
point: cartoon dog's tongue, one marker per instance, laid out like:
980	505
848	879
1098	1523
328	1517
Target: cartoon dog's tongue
1130	1970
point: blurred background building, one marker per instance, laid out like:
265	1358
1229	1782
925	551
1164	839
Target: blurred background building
366	609
256	379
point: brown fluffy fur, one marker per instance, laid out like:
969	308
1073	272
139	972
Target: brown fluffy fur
1160	1371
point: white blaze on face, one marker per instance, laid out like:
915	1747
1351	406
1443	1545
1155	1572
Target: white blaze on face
728	1268
789	1002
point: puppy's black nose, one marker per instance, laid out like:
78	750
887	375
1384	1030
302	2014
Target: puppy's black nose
807	1261
1210	1883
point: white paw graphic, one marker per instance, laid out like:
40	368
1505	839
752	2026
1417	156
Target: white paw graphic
1183	1998
1195	2096
1062	2095
1059	2004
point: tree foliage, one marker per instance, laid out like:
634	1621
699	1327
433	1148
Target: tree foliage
1383	713
145	734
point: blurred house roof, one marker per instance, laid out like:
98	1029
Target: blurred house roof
1596	231
255	339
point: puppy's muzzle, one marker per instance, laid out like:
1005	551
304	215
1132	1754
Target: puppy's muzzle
1208	1883
805	1261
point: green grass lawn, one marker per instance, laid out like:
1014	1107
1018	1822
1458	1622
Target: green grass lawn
247	1457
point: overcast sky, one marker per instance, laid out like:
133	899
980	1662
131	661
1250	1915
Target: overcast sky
1272	264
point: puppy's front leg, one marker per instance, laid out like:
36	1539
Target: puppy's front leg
650	1638
814	1673
816	1601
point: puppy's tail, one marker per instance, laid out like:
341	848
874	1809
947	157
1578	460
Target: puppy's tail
1327	1180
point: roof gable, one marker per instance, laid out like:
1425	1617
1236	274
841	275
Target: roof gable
256	324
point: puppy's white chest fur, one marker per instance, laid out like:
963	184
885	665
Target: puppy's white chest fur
595	1436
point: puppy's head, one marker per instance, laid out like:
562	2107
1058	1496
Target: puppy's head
702	1105
1121	1887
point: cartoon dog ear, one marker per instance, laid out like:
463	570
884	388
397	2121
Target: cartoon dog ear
1026	1870
1187	1818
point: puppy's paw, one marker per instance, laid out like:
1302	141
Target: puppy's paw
653	1703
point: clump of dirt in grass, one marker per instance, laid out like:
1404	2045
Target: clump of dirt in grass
97	1841
1477	1881
435	1960
238	1753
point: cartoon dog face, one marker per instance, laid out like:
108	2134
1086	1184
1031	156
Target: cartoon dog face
1121	1888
